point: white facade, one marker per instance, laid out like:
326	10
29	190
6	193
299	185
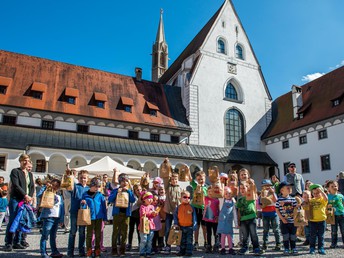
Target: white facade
204	92
312	150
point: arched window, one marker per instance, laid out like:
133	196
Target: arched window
239	52
231	92
221	47
234	127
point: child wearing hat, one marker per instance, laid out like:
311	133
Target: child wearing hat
95	200
157	181
121	215
285	210
317	221
147	210
267	200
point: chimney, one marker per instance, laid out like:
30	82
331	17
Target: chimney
138	73
296	93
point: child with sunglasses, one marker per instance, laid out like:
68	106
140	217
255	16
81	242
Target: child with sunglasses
185	218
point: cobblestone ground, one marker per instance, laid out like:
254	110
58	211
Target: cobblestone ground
34	239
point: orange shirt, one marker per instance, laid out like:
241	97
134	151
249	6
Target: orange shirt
185	215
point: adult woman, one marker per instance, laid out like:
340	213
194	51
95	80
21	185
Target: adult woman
22	189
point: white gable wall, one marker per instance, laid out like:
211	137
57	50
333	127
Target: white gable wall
210	78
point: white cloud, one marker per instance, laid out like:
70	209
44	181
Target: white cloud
338	65
311	77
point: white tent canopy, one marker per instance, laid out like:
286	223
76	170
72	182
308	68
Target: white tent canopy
106	166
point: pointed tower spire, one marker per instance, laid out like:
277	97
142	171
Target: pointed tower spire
160	52
160	35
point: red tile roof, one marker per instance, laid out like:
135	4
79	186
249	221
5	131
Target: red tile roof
59	78
317	106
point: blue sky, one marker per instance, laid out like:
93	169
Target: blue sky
294	40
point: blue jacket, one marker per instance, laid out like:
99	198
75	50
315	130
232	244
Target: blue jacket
97	205
76	197
112	199
46	211
24	220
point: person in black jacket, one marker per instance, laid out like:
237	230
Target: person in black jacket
22	189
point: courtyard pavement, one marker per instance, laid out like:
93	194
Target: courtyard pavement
62	239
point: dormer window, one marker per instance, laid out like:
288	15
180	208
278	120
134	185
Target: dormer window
70	100
37	90
152	108
4	83
70	95
127	109
126	104
3	89
100	99
37	94
100	104
336	102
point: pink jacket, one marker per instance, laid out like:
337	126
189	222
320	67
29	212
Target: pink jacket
148	211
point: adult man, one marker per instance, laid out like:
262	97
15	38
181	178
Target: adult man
22	189
295	179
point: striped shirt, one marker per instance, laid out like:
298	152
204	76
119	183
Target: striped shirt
286	206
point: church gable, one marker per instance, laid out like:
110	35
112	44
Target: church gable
227	38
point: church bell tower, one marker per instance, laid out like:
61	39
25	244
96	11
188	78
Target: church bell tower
160	52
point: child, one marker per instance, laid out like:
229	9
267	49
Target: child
285	209
51	219
76	197
185	218
121	215
95	200
157	222
336	199
270	219
227	216
317	222
173	191
306	195
199	208
3	203
148	210
210	216
156	183
247	217
135	216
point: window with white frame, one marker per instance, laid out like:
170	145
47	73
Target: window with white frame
234	127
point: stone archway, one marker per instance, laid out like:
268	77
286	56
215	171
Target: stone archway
39	163
152	168
134	165
57	164
76	162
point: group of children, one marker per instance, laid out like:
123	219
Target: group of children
229	202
